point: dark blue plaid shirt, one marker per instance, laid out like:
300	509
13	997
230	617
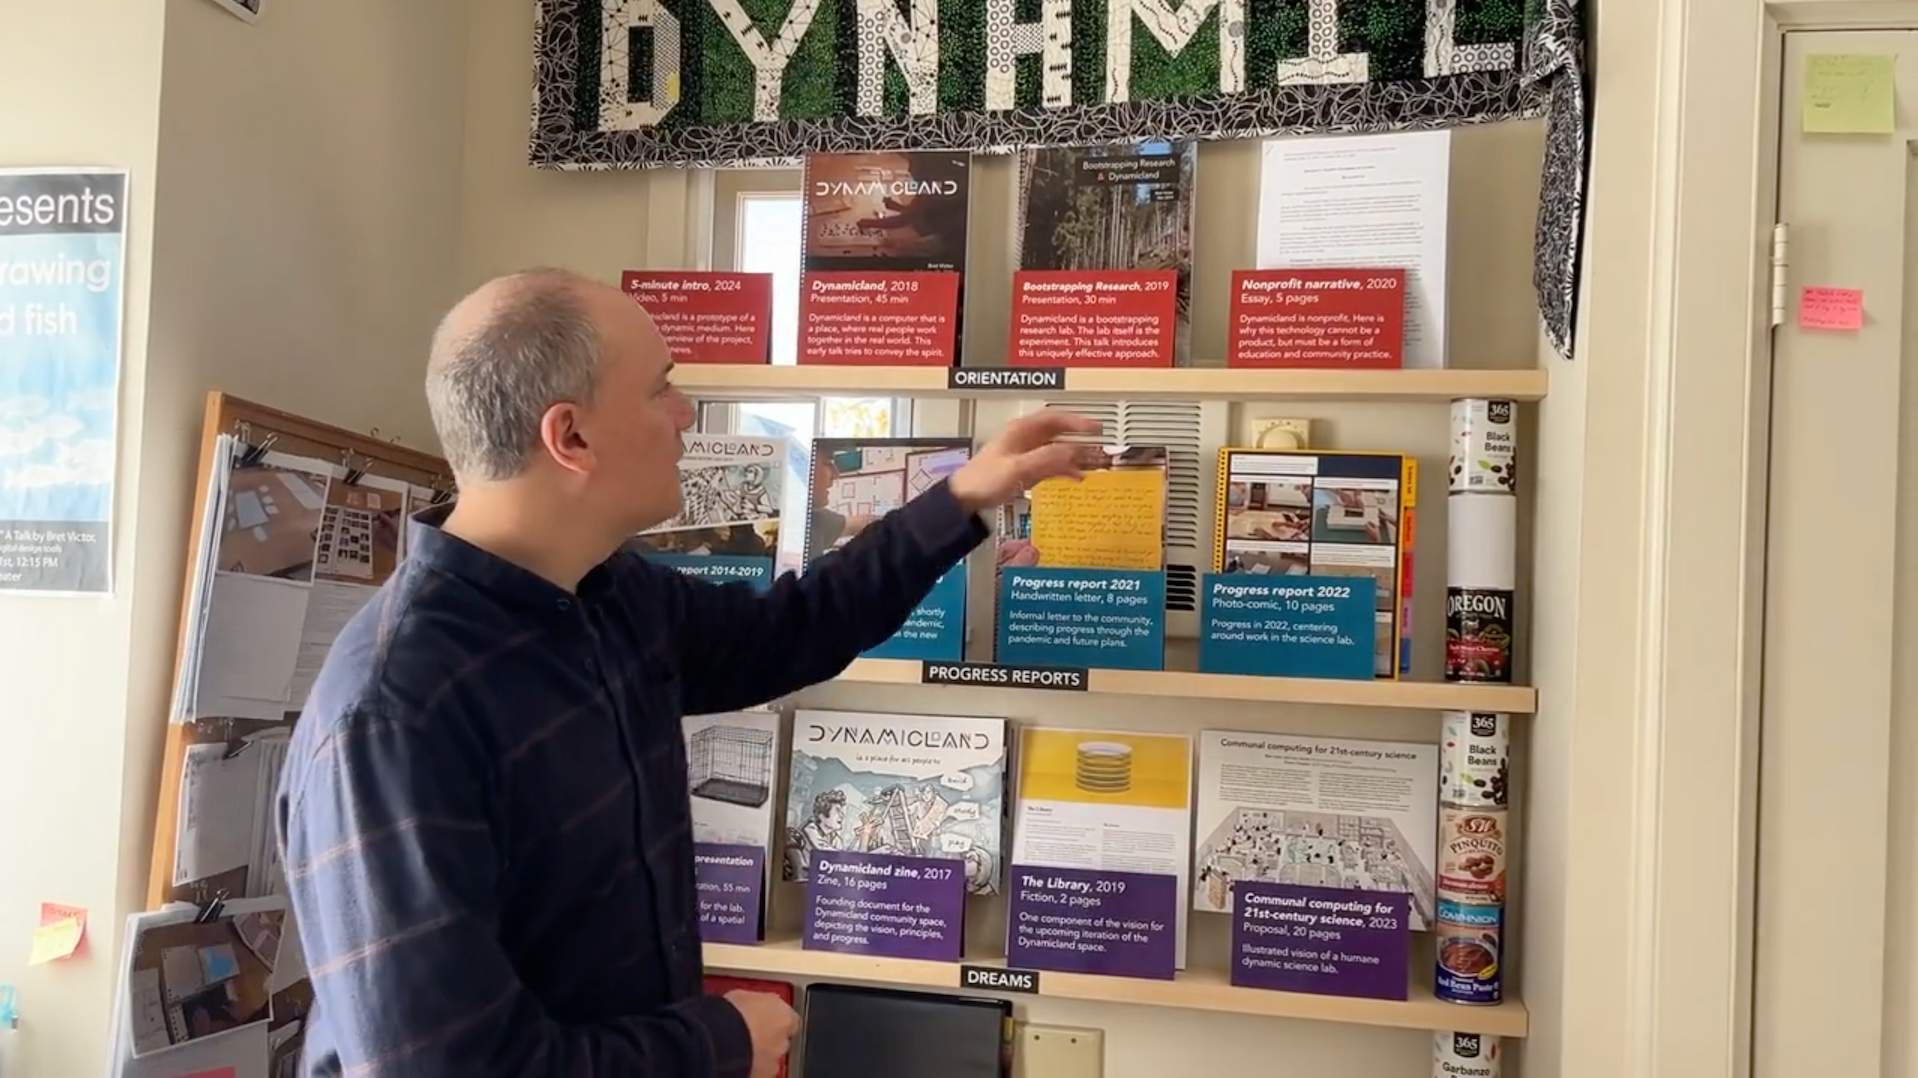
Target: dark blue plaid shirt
484	816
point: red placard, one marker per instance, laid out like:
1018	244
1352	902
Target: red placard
879	319
708	317
1094	318
1317	318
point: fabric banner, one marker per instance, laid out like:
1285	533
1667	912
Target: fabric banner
635	83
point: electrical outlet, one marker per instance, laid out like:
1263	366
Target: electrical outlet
1059	1052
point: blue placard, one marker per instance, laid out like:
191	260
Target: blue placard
1082	617
1287	626
721	568
936	631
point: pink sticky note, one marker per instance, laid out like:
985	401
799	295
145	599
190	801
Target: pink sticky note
59	935
1831	308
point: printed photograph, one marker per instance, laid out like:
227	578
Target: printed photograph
1354	514
1272	559
887	211
205	978
1272	509
360	534
272	521
1328	562
855	482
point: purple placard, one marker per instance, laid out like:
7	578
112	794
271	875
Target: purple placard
1079	921
887	905
731	882
1327	940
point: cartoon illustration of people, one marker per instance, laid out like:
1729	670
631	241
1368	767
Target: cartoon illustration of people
822	831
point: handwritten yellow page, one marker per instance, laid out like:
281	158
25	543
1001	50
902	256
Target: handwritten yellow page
1112	519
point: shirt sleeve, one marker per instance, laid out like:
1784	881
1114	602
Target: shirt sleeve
393	865
738	647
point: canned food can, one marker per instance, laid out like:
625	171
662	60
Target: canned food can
1474	759
1478	635
1471	864
1469	952
1464	1055
1484	446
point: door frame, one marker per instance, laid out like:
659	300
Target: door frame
1686	407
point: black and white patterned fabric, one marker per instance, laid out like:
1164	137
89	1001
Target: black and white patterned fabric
587	114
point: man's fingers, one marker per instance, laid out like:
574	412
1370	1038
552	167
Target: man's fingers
1058	460
1041	427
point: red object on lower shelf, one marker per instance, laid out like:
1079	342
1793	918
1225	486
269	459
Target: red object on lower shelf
719	985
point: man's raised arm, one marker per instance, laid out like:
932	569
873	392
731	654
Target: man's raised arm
738	647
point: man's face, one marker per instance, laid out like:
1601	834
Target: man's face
636	419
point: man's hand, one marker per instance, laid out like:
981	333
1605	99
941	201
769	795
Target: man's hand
772	1025
1027	451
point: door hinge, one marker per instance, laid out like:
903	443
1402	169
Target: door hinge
1780	272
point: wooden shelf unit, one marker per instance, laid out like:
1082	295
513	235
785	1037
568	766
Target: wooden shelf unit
1192	990
1219	383
1415	695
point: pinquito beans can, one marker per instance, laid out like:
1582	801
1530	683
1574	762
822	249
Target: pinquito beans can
1478	635
1471	865
1464	1055
1474	759
1470	967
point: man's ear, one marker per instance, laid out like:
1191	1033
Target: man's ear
562	433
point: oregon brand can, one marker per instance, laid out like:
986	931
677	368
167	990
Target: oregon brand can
1464	1055
1468	953
1471	864
1474	749
1478	635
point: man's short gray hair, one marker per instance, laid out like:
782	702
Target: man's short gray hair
494	374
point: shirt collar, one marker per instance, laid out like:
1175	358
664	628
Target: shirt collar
490	573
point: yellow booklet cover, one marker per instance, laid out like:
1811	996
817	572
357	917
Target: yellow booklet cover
1112	518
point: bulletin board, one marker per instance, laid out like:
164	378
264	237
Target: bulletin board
260	426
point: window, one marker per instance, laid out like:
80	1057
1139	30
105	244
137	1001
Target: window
766	229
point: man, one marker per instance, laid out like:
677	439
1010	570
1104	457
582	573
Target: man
484	816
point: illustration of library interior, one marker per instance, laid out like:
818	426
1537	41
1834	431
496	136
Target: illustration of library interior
958	538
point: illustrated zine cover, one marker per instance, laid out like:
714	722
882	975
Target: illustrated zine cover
1111	207
1320	812
730	487
914	785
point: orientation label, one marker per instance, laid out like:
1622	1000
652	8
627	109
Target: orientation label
1080	921
886	905
731	884
1326	940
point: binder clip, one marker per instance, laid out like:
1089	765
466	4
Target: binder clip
353	475
442	495
210	910
255	454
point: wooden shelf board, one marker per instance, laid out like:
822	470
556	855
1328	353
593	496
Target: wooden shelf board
1193	990
1237	383
1416	695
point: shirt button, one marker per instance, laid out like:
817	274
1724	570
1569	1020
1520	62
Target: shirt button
564	604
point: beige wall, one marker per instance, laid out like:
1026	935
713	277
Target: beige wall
81	80
296	184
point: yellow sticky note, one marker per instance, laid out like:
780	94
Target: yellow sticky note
1848	94
56	940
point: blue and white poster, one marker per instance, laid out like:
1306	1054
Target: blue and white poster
62	276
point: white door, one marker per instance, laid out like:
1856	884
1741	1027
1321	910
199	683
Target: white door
1837	913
